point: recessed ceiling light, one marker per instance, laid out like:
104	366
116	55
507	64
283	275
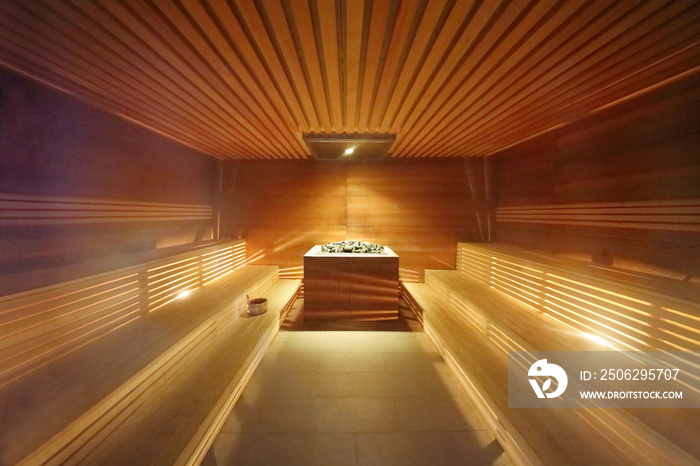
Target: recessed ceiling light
348	147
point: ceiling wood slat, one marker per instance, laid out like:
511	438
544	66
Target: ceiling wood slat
354	30
327	17
247	78
275	16
80	66
253	76
300	12
475	58
563	85
178	49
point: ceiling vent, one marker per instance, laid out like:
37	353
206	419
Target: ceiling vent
340	146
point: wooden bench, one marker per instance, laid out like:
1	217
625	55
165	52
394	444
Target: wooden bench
154	388
505	299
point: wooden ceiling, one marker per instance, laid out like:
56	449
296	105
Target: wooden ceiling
245	78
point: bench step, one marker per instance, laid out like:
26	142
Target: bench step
178	421
476	347
62	409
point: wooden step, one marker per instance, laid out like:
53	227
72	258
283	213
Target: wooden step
475	341
52	411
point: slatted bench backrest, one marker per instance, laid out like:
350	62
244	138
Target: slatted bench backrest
40	325
630	311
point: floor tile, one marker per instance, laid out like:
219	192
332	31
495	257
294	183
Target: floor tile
383	384
290	362
438	414
252	415
352	362
301	385
409	449
354	397
386	345
414	362
482	448
355	415
442	384
307	449
318	345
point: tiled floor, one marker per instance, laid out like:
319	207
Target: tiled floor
352	397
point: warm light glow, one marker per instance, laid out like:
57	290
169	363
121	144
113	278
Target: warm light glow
349	151
597	339
183	294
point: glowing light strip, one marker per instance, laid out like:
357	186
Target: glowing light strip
33	299
37	310
133	294
514	280
94	306
566	312
554	287
558	295
155	285
525	301
572	306
535	285
165	273
601	290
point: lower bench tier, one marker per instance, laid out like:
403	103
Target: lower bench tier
537	436
155	387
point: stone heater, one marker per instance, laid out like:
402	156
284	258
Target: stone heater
351	280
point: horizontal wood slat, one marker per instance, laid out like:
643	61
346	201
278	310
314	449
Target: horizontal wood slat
128	377
42	210
629	311
474	328
244	78
673	215
43	324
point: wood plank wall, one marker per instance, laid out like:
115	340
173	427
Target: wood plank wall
420	209
620	188
77	184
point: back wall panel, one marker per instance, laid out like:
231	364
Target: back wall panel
420	209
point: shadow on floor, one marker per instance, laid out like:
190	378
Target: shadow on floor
295	322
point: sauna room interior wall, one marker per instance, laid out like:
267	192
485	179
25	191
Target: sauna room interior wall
419	208
53	147
643	153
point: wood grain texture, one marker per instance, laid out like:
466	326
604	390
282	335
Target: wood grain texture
618	188
510	299
244	78
630	311
41	325
78	184
363	287
417	208
164	353
474	328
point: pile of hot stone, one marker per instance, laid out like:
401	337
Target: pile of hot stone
352	246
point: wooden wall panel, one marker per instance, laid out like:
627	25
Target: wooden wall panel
77	183
282	209
620	188
420	209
